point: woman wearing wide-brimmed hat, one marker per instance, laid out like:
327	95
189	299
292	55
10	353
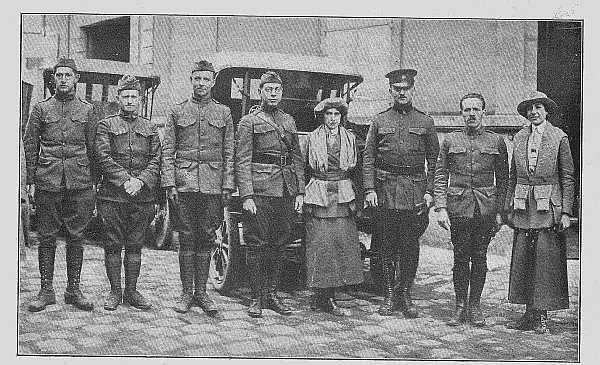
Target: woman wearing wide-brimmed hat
541	194
332	246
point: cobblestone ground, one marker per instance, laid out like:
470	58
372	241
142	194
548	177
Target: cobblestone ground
62	329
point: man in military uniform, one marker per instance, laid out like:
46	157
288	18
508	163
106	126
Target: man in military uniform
270	177
469	203
61	173
540	205
400	185
197	170
128	152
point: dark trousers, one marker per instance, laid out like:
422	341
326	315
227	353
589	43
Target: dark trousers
71	208
125	223
470	240
399	231
266	234
199	217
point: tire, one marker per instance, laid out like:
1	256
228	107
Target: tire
226	257
162	229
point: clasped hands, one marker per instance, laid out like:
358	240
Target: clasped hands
133	186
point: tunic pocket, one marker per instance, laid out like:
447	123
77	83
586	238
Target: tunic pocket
542	194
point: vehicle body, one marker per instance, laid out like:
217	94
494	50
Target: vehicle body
306	81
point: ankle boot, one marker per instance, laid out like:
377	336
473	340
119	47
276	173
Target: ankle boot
270	300
186	274
254	263
330	306
112	263
541	325
410	309
46	295
131	296
201	297
460	314
387	307
73	294
526	322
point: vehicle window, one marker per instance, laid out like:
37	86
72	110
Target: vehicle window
237	85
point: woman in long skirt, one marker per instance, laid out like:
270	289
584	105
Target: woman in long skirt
332	247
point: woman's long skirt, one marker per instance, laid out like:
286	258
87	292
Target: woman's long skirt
332	252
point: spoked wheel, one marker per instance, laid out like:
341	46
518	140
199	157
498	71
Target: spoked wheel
225	257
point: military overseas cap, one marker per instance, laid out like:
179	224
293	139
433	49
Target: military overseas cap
128	82
270	77
402	75
537	97
203	65
337	103
66	62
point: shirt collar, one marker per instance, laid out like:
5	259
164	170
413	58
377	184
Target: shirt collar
539	128
473	131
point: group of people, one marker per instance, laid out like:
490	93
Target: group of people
201	161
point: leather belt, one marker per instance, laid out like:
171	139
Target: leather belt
272	159
331	176
398	169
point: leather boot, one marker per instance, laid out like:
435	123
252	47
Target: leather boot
526	322
254	263
476	283
200	277
73	294
541	325
387	307
270	300
410	309
460	278
46	295
186	274
112	263
329	305
132	263
317	299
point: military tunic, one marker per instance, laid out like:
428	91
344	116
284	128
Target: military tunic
399	164
127	147
470	182
269	168
538	274
58	146
198	150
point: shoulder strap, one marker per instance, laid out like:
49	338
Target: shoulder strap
279	130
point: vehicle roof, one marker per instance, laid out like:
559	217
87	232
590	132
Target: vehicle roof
281	61
114	67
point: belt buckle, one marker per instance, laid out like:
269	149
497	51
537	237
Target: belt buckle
282	160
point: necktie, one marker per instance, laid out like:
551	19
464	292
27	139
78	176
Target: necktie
534	147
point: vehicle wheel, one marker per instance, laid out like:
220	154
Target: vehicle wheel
226	257
160	233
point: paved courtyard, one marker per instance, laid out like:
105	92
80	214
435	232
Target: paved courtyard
64	330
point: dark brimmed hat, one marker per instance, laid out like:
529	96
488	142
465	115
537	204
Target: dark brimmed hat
65	62
337	103
128	82
402	75
537	97
203	65
270	77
